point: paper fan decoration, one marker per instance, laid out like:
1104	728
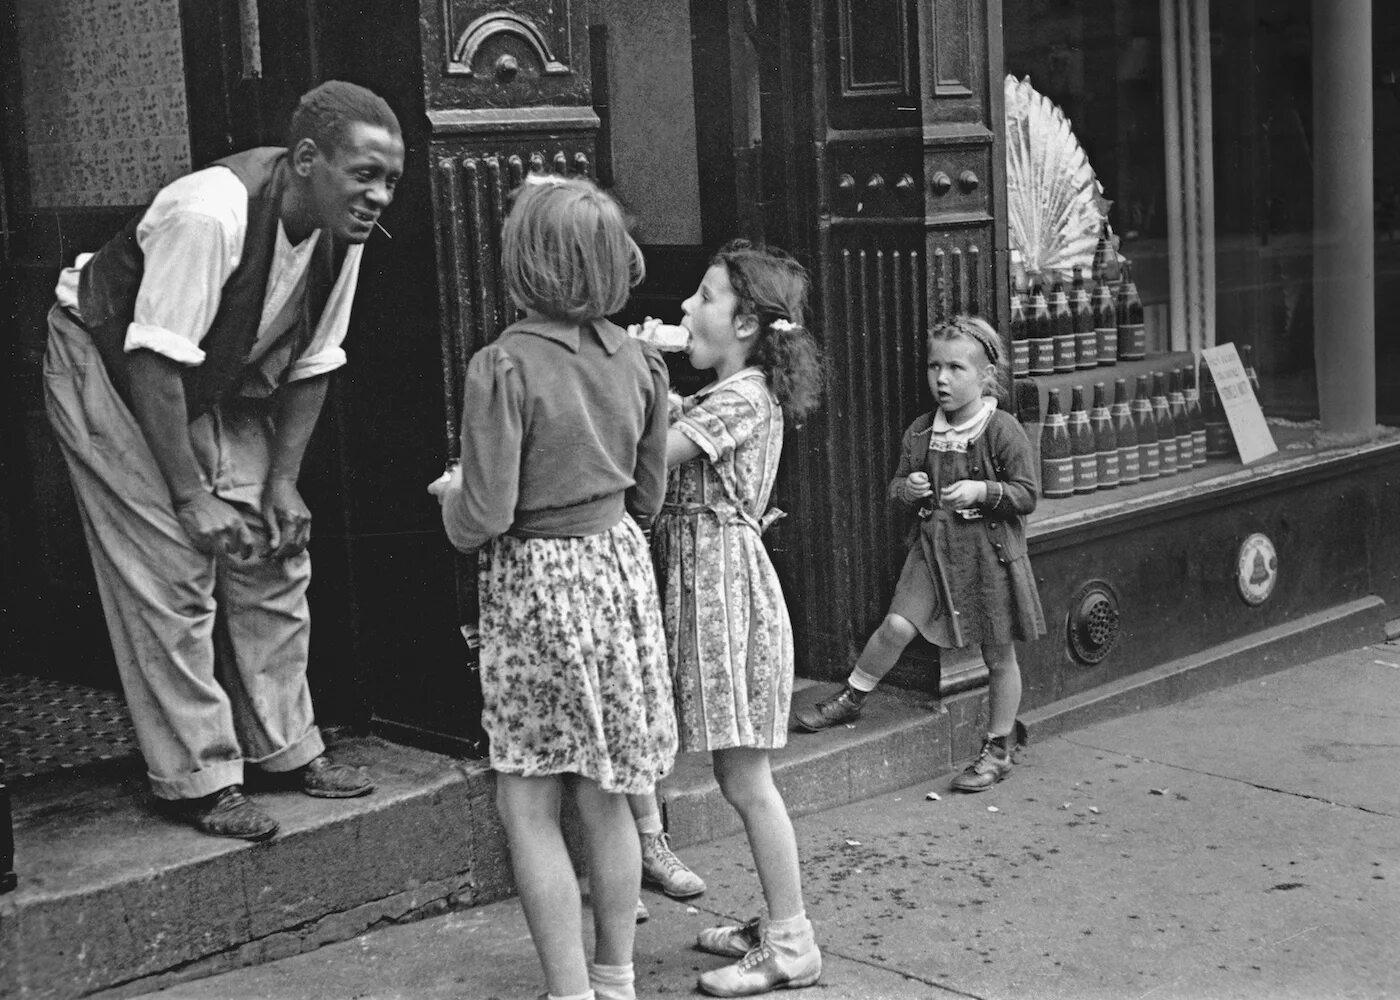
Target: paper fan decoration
1056	211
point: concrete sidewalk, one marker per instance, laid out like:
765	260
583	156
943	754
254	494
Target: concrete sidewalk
1241	844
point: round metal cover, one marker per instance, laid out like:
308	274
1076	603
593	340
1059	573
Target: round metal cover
1093	624
1256	569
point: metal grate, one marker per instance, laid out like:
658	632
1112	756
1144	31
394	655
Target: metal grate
48	726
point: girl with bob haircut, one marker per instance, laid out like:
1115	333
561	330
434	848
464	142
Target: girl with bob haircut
566	251
563	466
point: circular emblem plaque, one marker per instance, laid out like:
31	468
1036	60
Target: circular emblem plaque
1256	569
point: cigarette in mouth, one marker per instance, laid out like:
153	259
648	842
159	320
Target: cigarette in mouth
383	230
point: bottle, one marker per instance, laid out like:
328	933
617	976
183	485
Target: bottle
1149	458
1056	452
1103	268
1247	356
1220	441
1128	465
1166	426
1081	440
1062	327
1020	338
1025	403
1105	324
1176	401
1105	439
1195	417
1132	337
1086	343
1042	344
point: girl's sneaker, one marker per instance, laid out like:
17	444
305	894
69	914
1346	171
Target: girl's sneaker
767	967
731	941
662	869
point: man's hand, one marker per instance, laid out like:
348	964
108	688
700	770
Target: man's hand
915	488
214	526
288	521
964	493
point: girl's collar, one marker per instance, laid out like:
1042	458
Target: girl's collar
942	426
747	372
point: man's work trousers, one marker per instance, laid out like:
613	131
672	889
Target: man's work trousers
211	650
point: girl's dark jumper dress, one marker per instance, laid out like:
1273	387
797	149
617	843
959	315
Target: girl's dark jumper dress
967	578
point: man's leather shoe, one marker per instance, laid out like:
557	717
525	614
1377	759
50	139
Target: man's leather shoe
225	813
326	780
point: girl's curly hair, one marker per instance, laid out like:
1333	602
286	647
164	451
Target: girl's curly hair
771	286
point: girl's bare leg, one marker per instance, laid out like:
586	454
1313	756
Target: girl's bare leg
746	780
1003	687
614	869
545	878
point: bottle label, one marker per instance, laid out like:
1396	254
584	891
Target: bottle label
1042	356
1108	468
1185	451
1086	350
1086	473
1129	470
1149	461
1020	357
1167	456
1220	443
1107	337
1132	342
1056	477
1064	353
1198	447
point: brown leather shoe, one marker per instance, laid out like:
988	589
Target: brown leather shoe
326	780
225	813
838	709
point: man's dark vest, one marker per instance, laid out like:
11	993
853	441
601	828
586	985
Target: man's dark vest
109	282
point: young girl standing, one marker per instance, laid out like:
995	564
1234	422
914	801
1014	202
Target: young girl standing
968	471
727	628
563	437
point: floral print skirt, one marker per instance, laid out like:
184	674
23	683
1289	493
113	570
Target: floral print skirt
573	660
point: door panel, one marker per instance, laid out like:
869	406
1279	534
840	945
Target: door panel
907	233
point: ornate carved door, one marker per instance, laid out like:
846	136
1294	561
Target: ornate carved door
908	228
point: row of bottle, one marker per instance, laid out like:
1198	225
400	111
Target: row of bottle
1164	429
1065	332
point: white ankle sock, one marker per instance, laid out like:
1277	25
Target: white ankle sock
792	934
613	982
862	681
573	996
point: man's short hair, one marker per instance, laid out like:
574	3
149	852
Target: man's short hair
326	113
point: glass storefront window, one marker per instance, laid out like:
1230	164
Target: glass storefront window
1243	98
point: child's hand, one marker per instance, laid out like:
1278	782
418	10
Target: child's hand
675	406
451	479
916	487
964	493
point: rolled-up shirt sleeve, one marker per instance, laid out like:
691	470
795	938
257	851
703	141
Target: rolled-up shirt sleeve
324	353
191	238
492	431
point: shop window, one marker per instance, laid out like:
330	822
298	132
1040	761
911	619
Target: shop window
1203	142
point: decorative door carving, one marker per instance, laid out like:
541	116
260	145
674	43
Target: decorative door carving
907	232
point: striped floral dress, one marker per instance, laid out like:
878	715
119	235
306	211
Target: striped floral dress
728	634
